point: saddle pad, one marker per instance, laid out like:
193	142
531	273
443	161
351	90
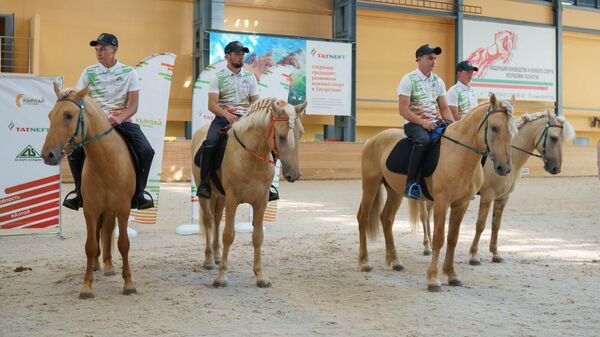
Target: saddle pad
399	158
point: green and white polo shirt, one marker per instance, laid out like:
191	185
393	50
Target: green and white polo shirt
234	89
110	86
423	92
463	97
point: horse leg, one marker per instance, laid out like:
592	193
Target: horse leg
457	213
206	218
258	213
98	239
228	237
371	188
128	287
218	215
392	203
440	207
484	208
425	212
91	251
496	221
108	226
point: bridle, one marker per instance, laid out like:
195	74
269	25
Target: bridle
80	128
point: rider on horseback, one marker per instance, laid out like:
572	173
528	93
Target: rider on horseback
421	102
115	87
231	92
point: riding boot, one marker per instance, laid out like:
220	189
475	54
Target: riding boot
273	193
142	179
76	165
205	158
413	188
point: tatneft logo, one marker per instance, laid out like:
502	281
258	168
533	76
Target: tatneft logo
29	154
315	53
24	129
23	99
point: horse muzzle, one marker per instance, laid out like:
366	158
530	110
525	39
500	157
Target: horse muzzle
552	168
502	170
52	157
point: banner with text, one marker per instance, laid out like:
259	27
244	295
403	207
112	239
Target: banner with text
29	189
512	59
155	73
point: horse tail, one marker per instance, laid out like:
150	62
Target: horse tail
375	214
414	213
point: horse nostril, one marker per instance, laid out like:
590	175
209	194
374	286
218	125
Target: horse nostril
50	155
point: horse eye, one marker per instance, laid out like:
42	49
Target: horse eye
494	129
554	139
282	139
68	117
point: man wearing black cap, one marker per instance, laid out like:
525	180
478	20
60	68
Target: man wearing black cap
462	97
115	87
422	104
230	93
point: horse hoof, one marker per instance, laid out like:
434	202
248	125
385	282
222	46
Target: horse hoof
86	295
96	267
110	272
263	284
220	284
398	267
434	288
475	262
129	291
217	262
455	283
427	252
497	259
209	266
367	267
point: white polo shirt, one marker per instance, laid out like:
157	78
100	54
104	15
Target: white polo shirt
110	86
463	97
234	89
423	92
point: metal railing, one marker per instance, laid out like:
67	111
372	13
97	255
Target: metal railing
15	54
429	5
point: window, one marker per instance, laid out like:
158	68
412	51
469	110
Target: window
581	141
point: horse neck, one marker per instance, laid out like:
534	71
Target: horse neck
528	135
95	124
467	130
252	131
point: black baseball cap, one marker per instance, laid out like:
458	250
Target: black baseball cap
234	47
105	38
466	65
427	49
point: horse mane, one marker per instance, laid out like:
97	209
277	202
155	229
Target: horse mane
568	130
64	93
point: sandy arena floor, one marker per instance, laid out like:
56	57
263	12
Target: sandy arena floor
549	284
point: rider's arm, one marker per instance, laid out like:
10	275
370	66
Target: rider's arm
452	100
454	111
444	110
403	102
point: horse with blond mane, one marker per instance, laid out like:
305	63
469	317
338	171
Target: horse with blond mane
108	178
541	131
487	130
246	173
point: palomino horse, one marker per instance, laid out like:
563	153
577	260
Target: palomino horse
246	174
108	178
488	129
539	131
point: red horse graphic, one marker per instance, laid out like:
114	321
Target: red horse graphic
502	49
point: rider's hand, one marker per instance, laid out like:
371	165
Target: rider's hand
231	118
115	120
428	125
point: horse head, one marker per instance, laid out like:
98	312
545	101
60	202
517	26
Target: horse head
287	137
556	133
499	131
64	118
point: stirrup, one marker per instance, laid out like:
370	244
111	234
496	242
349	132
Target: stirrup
73	203
273	195
144	203
203	194
414	191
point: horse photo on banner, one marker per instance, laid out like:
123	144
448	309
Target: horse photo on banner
155	77
29	189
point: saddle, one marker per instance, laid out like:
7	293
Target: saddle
399	158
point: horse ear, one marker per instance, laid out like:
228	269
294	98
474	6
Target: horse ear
81	93
493	100
276	104
56	88
513	100
301	108
549	115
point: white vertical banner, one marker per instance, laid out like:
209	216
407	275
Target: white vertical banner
29	189
155	73
328	78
